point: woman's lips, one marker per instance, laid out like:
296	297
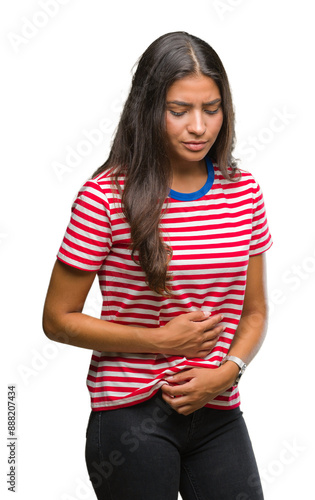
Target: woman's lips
194	146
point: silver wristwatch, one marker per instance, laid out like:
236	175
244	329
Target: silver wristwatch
240	364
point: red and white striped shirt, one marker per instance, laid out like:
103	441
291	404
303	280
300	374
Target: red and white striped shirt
212	232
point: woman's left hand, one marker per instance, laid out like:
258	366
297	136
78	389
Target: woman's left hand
195	387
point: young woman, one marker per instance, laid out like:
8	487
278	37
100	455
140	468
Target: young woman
176	234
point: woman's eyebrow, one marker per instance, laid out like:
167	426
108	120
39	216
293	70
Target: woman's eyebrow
182	103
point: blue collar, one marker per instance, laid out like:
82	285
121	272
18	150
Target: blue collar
196	195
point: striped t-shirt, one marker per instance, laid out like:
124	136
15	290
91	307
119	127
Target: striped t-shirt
212	232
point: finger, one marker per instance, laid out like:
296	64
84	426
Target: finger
174	391
180	377
169	400
185	410
174	401
198	315
178	404
213	321
206	348
214	333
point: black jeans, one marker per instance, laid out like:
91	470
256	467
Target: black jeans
150	452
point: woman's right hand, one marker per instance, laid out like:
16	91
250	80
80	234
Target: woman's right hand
192	335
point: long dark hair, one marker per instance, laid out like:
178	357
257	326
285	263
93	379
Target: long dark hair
139	150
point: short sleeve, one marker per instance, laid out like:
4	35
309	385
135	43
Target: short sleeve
261	239
87	239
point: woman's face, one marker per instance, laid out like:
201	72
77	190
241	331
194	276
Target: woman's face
194	118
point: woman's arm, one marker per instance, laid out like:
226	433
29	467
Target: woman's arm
252	327
200	385
191	335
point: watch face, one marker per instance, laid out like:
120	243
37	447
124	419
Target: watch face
242	370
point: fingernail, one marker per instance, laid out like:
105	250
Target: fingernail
207	313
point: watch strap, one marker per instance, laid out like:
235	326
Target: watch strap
240	364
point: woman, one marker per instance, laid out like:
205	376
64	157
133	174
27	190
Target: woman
175	232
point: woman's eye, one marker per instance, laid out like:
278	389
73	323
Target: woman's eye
177	113
212	112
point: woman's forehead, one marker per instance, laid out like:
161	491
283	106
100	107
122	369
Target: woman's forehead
193	88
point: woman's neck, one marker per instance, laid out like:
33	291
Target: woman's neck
190	177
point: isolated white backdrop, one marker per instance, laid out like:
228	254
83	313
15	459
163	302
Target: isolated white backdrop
66	68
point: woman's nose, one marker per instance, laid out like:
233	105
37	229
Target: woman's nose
196	124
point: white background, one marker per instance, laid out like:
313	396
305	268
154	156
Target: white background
65	73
